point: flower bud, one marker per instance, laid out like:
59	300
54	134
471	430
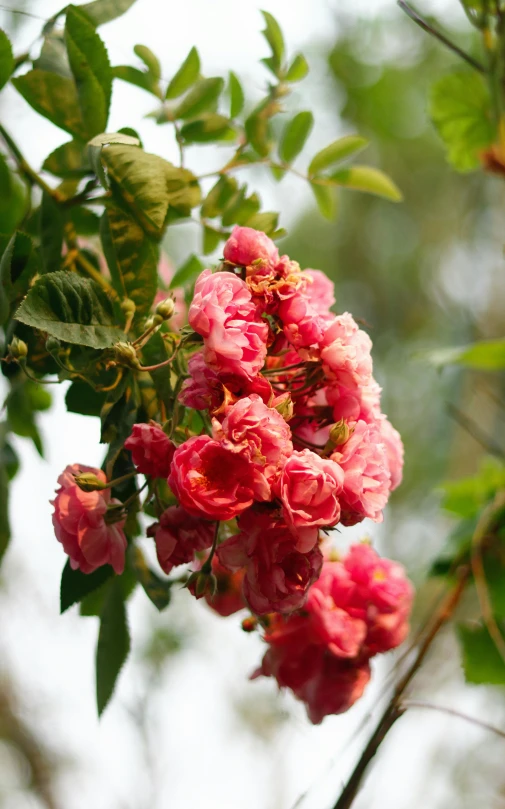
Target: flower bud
53	345
339	434
88	482
166	308
285	406
125	354
128	307
17	350
249	624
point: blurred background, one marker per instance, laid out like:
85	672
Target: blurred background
186	729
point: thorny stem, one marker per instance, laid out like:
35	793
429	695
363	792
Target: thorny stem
395	709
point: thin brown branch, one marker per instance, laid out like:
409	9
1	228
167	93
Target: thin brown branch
412	703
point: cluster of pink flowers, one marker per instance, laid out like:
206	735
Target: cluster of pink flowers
296	444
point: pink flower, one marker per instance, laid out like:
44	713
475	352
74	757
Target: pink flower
337	685
80	525
246	246
151	449
178	536
366	474
321	292
355	403
394	451
328	606
309	489
277	575
203	389
210	481
259	434
345	352
304	324
224	314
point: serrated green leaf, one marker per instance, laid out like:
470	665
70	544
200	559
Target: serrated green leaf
369	180
76	585
336	152
187	273
482	662
266	221
236	95
461	110
113	645
485	355
211	239
91	69
139	78
68	160
52	229
53	56
83	399
273	36
201	98
325	198
6	59
158	590
219	196
187	75
298	69
55	98
132	257
295	136
71	308
149	59
96	145
209	128
103	11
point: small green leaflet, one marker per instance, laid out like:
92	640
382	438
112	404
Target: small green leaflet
482	662
102	11
369	180
336	152
75	585
187	74
298	69
273	36
201	98
6	59
485	355
295	135
113	644
236	95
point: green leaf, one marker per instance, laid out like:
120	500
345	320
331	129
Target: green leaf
75	585
325	198
295	135
219	196
336	152
209	128
52	229
158	590
71	308
298	69
113	645
467	496
4	500
68	160
236	95
102	11
139	78
55	98
96	145
273	36
23	402
149	59
6	59
482	662
461	111
83	399
17	266
85	221
187	273
53	56
13	199
211	239
265	221
258	131
91	70
486	355
132	257
186	75
369	180
201	98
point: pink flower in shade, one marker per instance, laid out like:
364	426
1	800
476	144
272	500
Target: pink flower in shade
394	451
277	575
259	434
80	525
166	272
309	488
224	314
337	685
355	403
210	481
303	324
246	246
203	389
151	449
178	536
345	352
321	292
366	474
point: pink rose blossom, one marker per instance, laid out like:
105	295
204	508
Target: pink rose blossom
228	598
366	474
345	352
179	535
337	685
246	246
309	489
394	451
80	525
303	324
259	434
321	292
203	389
355	403
210	481
151	450
224	314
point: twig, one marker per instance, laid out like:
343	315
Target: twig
474	430
453	712
484	525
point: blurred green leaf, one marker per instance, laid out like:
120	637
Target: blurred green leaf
211	239
298	69
257	130
113	645
13	199
102	11
5	533
55	98
295	135
201	98
265	221
91	70
369	180
53	56
139	78
461	110
325	198
336	152
187	75
467	496
23	402
71	308
6	59
209	128
83	399
486	355
236	95
52	229
96	145
187	273
273	36
219	196
76	585
68	160
149	59
482	662
18	264
158	590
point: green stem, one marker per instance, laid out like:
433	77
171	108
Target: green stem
207	565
